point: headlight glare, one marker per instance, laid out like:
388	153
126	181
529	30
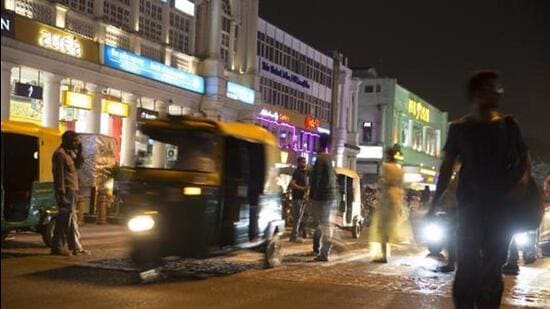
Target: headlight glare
141	223
433	233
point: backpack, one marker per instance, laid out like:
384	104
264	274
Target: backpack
527	207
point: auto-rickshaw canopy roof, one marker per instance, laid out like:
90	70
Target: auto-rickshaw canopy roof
244	131
346	172
50	139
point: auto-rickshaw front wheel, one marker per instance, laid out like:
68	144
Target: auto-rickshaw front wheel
273	254
356	229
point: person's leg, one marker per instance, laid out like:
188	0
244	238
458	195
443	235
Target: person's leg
59	240
316	224
494	250
326	229
296	218
468	260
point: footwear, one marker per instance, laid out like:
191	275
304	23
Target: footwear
445	269
510	269
82	252
380	260
320	258
60	252
315	253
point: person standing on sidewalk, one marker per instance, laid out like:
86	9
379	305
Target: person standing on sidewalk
65	162
493	169
323	200
299	187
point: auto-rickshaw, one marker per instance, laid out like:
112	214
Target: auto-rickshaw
28	200
349	214
213	189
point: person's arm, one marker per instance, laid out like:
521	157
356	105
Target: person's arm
445	174
58	174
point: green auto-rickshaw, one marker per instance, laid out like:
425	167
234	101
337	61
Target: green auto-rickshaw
209	188
28	200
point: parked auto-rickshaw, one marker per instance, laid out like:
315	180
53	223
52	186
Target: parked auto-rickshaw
28	200
349	214
212	189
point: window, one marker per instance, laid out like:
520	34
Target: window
369	88
404	135
367	132
417	137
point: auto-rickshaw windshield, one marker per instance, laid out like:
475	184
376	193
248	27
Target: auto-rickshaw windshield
182	150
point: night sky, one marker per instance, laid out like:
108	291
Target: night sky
432	46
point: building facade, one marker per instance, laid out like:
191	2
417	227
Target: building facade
303	92
98	66
389	114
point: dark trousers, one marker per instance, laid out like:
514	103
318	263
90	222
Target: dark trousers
66	224
482	246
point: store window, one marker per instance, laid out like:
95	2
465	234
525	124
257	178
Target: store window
404	132
431	145
417	137
26	96
367	132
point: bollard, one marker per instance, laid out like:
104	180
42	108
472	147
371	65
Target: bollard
102	200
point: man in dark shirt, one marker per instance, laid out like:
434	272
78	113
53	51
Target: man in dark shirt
482	141
299	186
322	195
65	162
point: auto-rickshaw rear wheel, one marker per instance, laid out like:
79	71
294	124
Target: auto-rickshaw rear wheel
47	232
273	254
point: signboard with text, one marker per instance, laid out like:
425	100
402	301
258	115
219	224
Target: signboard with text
240	93
129	62
8	26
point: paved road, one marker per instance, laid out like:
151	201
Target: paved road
33	279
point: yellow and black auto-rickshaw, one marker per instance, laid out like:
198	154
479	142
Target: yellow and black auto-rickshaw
28	199
350	210
212	188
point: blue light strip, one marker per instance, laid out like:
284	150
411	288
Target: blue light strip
126	61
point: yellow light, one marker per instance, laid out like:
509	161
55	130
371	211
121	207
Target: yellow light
426	171
192	191
77	100
284	157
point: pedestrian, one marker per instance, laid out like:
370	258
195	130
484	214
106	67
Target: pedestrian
389	212
425	196
493	169
298	185
323	200
65	162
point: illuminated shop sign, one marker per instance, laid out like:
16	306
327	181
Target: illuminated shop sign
285	74
418	110
129	62
114	108
26	111
52	38
371	152
144	113
275	116
28	91
185	6
240	93
7	24
77	100
311	123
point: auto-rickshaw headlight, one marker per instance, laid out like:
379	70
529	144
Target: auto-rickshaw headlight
141	223
521	239
434	232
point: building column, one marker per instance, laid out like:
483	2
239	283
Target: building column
51	100
159	149
129	128
93	121
165	36
6	89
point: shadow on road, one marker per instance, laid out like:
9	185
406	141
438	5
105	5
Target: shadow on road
89	275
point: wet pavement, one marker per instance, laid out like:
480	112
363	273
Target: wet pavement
108	279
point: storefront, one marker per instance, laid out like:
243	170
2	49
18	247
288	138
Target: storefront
297	135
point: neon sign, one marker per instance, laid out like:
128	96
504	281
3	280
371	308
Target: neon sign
66	44
311	123
418	110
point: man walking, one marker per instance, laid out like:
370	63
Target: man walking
494	165
299	186
65	162
323	200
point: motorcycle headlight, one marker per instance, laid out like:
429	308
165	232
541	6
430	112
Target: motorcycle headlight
141	223
521	239
434	232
